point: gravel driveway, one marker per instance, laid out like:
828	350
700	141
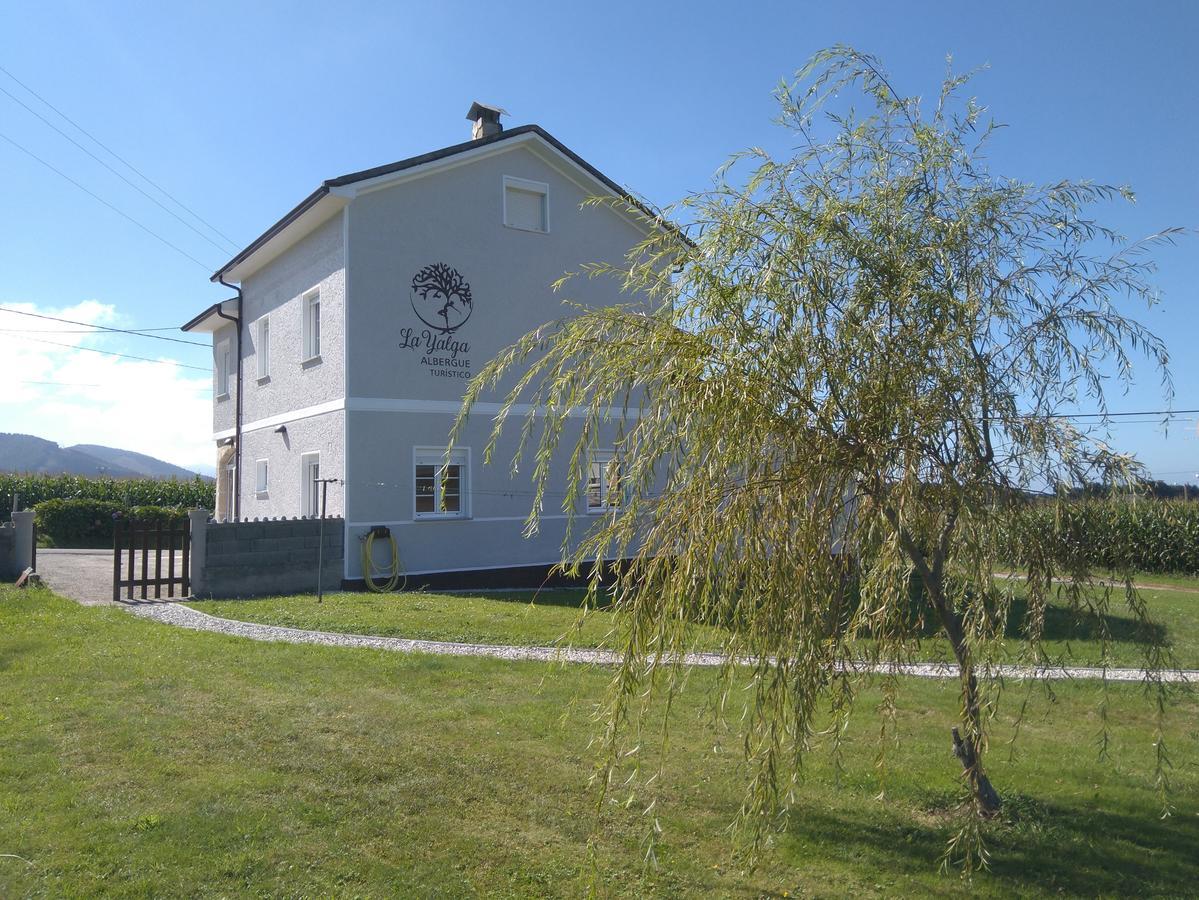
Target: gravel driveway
83	575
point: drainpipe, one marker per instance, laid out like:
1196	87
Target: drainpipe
237	402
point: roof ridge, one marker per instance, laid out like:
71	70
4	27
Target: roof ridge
421	159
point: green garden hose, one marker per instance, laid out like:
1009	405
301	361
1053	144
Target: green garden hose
391	572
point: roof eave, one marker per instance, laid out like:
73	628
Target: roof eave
253	247
210	320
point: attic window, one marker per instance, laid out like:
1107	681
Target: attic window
526	204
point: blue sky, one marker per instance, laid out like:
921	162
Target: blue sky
239	110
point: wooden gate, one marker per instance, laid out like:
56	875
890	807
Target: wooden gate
148	541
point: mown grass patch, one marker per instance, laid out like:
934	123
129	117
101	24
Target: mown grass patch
138	759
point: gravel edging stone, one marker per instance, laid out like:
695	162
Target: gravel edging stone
186	617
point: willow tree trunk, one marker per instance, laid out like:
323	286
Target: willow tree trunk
967	748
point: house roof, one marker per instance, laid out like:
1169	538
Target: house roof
216	316
331	186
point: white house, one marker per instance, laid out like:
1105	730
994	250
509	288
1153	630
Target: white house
361	314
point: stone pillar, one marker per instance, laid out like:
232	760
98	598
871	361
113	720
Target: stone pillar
199	551
23	545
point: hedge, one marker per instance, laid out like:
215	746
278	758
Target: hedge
1141	535
88	523
128	492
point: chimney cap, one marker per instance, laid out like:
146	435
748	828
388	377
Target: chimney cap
485	112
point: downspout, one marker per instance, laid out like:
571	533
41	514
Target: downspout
237	402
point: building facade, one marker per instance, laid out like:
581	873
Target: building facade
362	315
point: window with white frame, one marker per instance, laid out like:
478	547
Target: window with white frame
261	476
262	347
310	484
224	368
603	481
526	204
311	306
441	484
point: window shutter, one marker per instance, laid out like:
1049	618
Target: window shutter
526	204
264	348
223	367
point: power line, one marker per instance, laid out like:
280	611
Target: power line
134	332
62	383
164	362
1147	412
1172	420
125	215
137	188
81	330
86	384
122	160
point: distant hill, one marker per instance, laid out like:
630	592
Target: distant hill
138	463
26	453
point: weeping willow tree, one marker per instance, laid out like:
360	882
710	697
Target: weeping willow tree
846	382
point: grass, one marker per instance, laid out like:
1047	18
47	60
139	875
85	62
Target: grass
507	617
553	617
141	760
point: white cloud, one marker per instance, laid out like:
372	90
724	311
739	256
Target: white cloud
156	407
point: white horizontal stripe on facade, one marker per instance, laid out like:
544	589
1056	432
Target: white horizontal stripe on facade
448	519
452	407
283	418
396	405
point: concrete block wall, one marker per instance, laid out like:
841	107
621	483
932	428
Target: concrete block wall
277	556
16	545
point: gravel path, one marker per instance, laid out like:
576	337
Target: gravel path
186	617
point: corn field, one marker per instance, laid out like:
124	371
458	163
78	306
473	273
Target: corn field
1143	535
128	492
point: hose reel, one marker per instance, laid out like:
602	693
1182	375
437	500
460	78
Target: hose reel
391	572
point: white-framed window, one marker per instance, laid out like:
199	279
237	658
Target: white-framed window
261	476
604	490
311	306
262	347
223	363
310	484
441	486
526	204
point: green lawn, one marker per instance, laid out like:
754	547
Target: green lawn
504	617
138	759
553	617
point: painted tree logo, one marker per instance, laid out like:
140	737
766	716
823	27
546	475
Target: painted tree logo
441	297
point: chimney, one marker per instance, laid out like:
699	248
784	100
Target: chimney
486	120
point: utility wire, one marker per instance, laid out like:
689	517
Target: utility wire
165	362
86	384
134	332
125	215
141	331
1146	412
62	383
136	187
122	160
